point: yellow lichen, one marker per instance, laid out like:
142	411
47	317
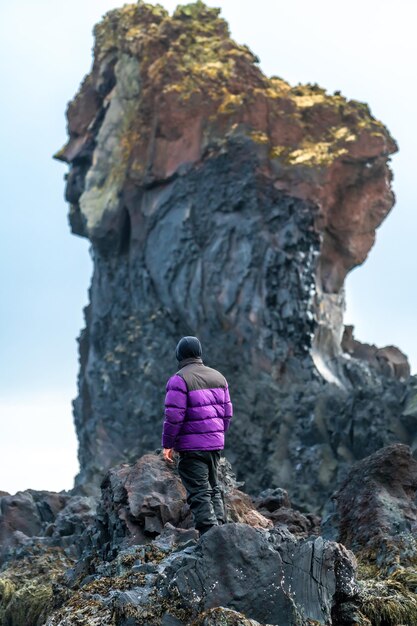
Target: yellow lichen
259	137
342	132
196	11
270	92
279	84
188	61
315	153
277	151
230	102
212	69
309	101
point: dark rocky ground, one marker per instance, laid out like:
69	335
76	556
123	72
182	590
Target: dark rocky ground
136	559
228	205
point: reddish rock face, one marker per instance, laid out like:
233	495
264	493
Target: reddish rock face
19	513
192	86
388	360
143	500
138	500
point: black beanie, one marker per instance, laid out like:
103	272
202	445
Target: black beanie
188	347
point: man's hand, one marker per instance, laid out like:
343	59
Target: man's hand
168	454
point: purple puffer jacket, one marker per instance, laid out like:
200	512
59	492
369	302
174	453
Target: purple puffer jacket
198	409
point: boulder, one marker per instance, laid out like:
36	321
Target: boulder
140	500
268	576
274	504
137	501
374	512
32	517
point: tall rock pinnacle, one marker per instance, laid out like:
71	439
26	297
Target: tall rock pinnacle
228	205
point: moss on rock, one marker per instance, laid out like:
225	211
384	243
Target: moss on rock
387	600
27	587
189	67
220	616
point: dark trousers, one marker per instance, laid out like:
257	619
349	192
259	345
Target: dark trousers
198	472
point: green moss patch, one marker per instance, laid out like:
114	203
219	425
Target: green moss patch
387	600
27	587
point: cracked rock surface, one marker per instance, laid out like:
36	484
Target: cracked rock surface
295	581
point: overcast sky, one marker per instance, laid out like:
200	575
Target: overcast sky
365	49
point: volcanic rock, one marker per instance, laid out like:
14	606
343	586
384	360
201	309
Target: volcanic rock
137	501
409	413
147	499
274	504
389	361
30	518
228	205
374	512
235	573
267	576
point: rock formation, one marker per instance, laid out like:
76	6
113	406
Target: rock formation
389	360
43	518
228	205
140	560
375	511
139	557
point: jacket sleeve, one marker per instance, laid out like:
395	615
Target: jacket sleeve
175	407
228	409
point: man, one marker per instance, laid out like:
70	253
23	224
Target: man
198	411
